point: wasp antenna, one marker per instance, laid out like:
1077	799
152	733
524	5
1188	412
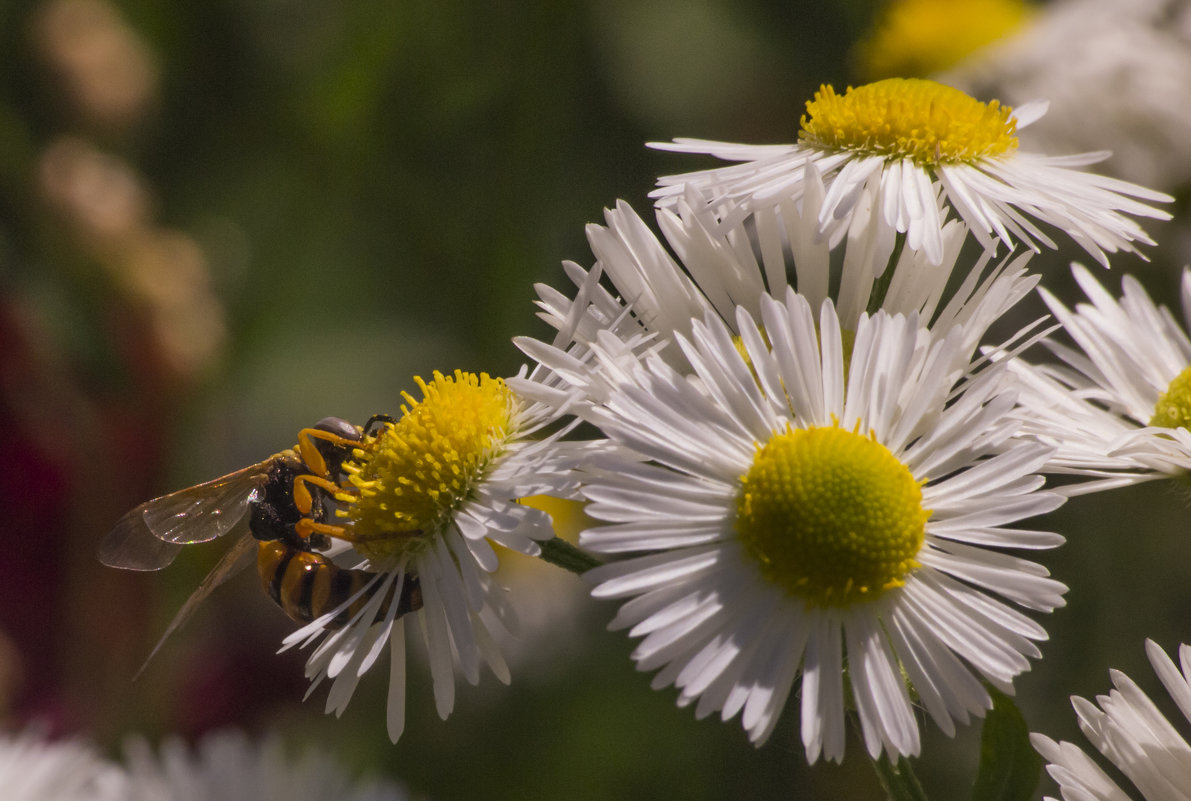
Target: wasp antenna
371	427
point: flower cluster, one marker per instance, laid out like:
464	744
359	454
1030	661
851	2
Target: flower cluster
810	459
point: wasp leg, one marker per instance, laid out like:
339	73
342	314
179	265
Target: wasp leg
303	498
307	527
310	453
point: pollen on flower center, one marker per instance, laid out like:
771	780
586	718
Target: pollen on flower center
412	474
830	515
921	120
1173	408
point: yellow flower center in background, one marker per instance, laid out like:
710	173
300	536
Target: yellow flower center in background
924	121
923	37
831	516
1173	408
414	473
847	341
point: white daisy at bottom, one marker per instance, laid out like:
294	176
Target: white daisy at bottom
229	766
35	769
803	507
430	495
1128	729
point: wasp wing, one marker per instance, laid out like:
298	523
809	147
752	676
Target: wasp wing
238	557
131	545
206	511
150	536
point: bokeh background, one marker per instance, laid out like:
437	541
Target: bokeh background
221	221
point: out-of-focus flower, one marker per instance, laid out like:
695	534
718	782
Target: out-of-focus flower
905	154
161	272
228	766
104	65
1119	407
920	38
431	494
802	501
98	195
34	769
1129	729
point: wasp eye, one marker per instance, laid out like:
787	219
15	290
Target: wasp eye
339	427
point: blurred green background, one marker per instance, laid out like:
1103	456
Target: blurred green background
222	221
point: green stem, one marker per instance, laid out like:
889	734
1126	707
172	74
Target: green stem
561	553
881	287
898	780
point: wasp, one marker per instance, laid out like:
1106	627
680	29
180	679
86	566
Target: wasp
282	506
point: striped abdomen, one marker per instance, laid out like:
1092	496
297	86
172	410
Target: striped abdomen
307	585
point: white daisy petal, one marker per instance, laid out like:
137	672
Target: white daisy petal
823	691
886	719
395	708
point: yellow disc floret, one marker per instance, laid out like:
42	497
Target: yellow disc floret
924	121
830	515
1173	408
410	477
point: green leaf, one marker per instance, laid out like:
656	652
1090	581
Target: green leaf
1009	765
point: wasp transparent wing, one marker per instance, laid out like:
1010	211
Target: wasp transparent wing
206	511
238	557
150	536
132	546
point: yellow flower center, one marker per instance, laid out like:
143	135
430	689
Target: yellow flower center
924	37
924	121
414	473
1173	408
831	516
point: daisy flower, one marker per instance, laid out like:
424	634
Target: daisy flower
1132	733
228	766
807	505
430	495
34	769
914	150
1119	406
